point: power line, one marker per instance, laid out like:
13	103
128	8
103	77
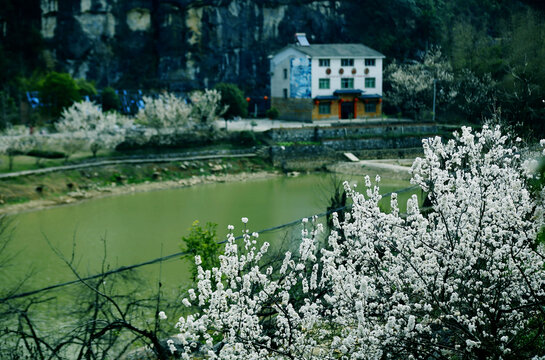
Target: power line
182	253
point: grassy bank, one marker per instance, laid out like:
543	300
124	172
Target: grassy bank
78	184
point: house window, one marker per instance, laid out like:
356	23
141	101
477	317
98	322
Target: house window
347	83
324	83
347	62
369	62
285	73
371	108
323	62
324	108
369	82
285	91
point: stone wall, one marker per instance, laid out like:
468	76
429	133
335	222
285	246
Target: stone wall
315	156
400	142
351	131
293	109
280	155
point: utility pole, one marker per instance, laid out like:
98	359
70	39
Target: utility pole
434	82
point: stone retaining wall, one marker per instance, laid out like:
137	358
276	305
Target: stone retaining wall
332	150
293	109
350	131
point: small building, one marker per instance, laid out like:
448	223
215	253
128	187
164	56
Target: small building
326	81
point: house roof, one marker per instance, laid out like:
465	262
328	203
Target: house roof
370	96
337	50
347	92
326	97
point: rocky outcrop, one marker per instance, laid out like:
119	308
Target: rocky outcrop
180	44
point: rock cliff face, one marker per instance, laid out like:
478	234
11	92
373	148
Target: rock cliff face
181	44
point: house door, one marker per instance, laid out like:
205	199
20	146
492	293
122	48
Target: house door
347	110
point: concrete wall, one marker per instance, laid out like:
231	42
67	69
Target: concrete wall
293	109
319	72
280	62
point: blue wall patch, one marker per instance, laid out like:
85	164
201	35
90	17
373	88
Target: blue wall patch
300	79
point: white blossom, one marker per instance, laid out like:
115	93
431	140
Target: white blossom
171	346
206	106
16	140
165	112
462	279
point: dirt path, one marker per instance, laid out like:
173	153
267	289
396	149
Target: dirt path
395	169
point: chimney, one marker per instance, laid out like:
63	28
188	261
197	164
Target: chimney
301	39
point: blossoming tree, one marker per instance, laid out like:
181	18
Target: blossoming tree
464	280
207	106
164	113
84	124
412	84
14	141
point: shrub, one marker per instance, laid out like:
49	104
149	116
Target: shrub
233	97
58	91
46	154
272	113
246	138
86	88
109	99
202	242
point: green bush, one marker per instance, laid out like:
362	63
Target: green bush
109	99
57	91
202	241
247	138
231	95
272	113
86	88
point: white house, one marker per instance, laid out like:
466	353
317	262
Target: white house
326	81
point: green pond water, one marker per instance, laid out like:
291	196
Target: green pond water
143	226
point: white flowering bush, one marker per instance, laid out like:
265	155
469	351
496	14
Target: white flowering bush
14	141
85	125
207	106
464	280
412	84
165	113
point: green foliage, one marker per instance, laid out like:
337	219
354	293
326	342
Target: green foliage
473	50
58	91
522	89
86	88
109	99
247	138
272	113
8	110
232	96
202	241
399	29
